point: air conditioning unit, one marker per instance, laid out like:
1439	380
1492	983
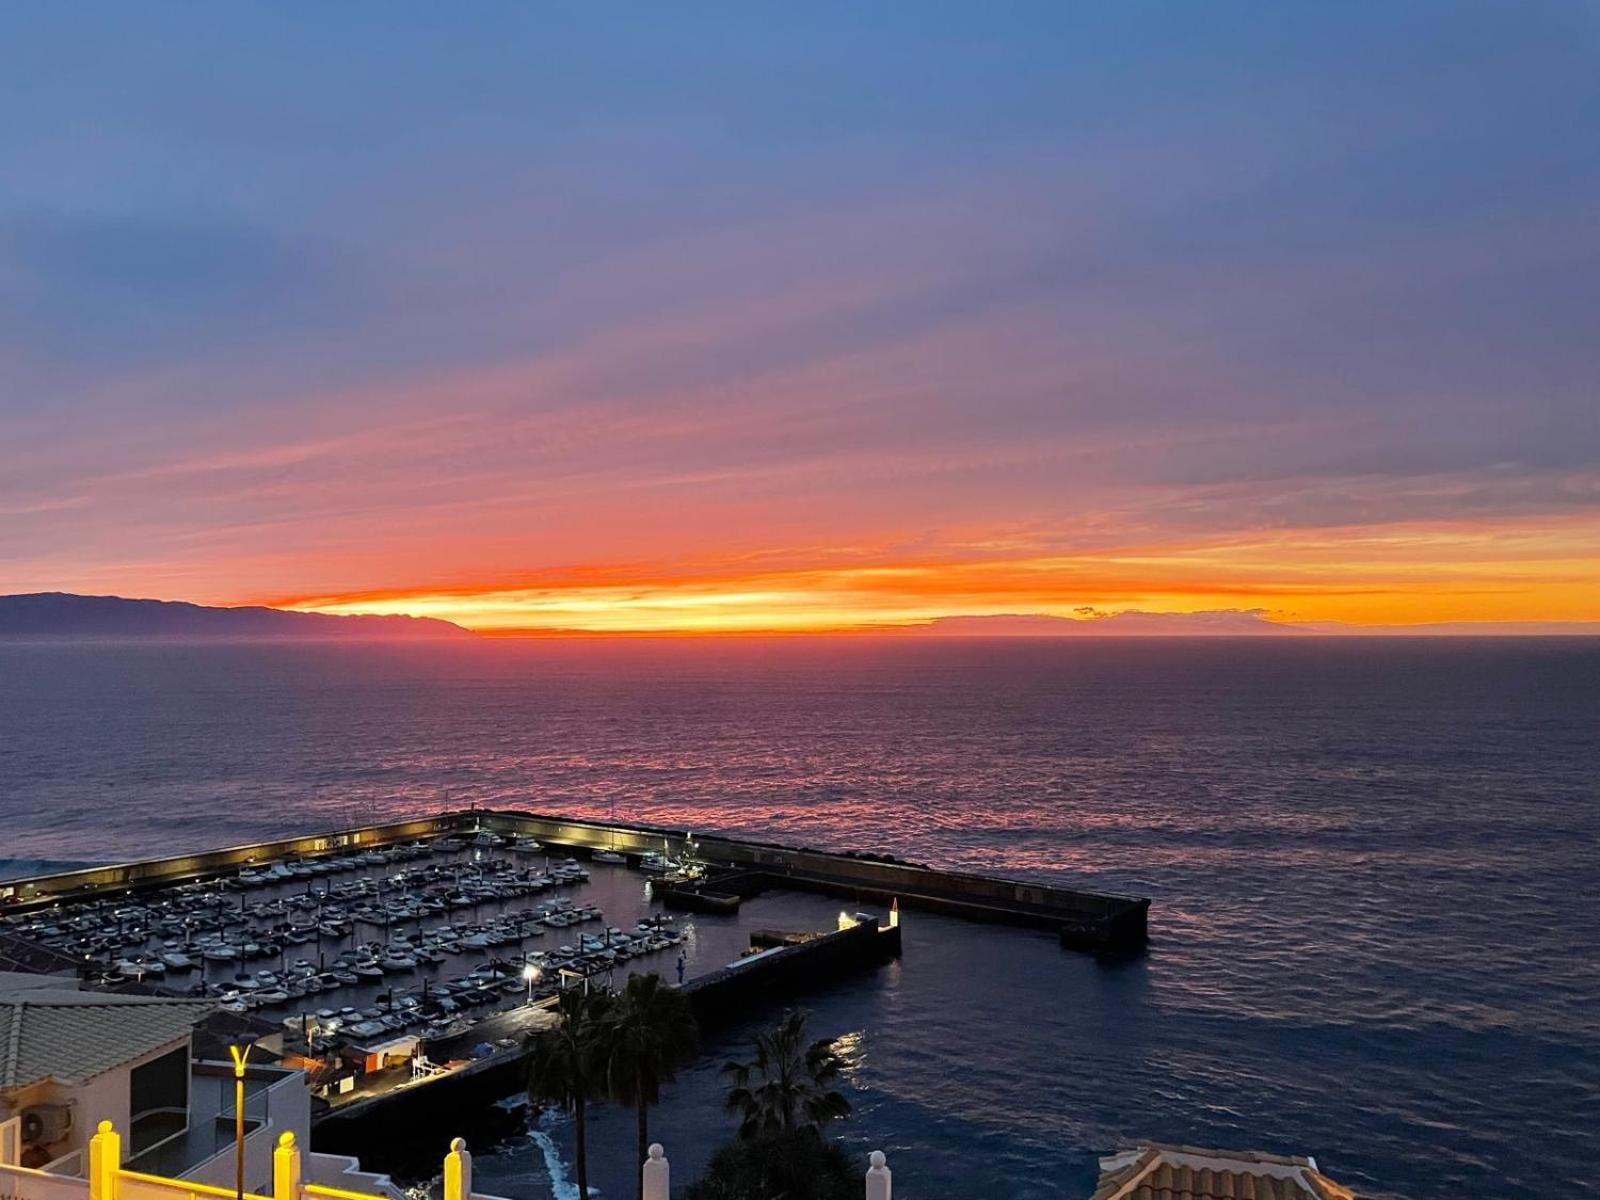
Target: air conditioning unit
45	1124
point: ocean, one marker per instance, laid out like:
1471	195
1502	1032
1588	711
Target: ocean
1375	866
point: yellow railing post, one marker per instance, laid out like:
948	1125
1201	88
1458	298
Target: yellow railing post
105	1160
286	1168
458	1172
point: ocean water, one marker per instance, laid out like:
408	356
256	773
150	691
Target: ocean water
1375	866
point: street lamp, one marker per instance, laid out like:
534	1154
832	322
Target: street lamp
239	1054
530	973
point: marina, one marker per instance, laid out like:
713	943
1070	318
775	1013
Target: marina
370	962
406	962
274	936
718	865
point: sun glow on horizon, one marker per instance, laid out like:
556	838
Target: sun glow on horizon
1398	576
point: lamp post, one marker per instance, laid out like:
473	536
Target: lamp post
530	974
239	1054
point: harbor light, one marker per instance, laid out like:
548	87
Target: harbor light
530	975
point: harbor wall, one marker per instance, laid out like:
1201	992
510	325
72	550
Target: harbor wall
38	890
402	1129
1096	919
729	993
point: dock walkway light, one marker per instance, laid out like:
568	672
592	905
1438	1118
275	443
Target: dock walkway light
530	975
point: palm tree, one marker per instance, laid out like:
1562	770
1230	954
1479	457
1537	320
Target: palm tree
650	1033
565	1068
796	1089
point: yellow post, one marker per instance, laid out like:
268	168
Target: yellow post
239	1055
458	1172
286	1168
105	1160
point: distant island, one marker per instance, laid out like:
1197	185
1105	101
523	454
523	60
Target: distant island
63	615
1222	622
1092	623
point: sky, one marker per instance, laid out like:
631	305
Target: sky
747	317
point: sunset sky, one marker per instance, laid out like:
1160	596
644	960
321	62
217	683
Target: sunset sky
703	318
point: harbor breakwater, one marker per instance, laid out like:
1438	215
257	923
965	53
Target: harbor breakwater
1085	920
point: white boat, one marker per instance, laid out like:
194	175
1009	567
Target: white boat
488	840
609	856
176	960
656	863
527	845
219	954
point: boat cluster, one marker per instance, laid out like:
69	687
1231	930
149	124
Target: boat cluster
203	923
447	1007
373	961
217	927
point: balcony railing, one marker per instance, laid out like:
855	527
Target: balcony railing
110	1180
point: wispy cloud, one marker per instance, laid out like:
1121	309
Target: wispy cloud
960	333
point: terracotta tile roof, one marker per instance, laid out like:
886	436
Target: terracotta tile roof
64	1034
1191	1173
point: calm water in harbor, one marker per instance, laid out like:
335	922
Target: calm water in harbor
1375	865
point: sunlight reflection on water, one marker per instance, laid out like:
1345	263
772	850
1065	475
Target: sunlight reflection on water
1374	866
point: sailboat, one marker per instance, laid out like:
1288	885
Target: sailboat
609	854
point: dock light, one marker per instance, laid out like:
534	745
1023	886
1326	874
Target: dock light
530	974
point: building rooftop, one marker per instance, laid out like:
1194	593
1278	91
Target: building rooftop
1190	1173
51	1030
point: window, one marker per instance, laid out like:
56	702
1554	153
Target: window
158	1100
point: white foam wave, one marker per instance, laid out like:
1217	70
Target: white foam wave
562	1185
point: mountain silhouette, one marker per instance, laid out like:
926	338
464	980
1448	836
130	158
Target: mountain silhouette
63	615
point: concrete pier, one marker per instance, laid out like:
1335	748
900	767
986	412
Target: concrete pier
726	994
1086	920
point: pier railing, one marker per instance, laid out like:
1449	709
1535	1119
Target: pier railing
109	1180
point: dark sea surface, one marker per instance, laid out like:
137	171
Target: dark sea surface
1375	866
